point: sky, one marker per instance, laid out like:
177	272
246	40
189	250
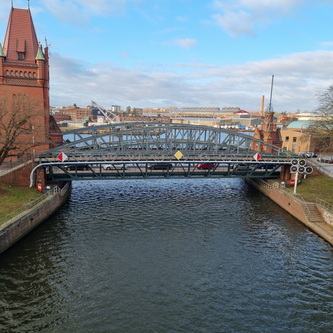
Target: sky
185	53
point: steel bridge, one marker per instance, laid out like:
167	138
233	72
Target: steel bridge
153	150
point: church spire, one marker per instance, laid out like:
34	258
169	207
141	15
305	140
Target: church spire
40	55
2	54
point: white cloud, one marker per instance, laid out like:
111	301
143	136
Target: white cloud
240	17
78	12
298	79
327	44
185	43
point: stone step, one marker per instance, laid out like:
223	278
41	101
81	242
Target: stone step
313	214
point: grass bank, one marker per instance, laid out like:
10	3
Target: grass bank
12	198
316	187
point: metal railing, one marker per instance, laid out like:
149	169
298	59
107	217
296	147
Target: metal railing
326	205
288	193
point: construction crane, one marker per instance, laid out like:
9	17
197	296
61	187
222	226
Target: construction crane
109	116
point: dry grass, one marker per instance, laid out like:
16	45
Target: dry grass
12	198
316	187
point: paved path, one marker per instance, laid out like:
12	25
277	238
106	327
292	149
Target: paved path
324	168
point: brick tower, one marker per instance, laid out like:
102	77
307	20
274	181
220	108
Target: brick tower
24	70
268	133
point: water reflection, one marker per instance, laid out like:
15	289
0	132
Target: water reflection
168	256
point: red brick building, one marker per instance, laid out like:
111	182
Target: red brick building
268	133
24	70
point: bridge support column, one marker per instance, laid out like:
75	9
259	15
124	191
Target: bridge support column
40	178
285	173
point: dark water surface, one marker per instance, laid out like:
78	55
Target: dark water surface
168	256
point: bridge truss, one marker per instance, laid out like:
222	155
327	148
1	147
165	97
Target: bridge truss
130	148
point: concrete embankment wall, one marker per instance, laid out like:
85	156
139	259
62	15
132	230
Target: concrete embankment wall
14	229
289	204
297	209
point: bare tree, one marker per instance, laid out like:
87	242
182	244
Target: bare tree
17	115
321	128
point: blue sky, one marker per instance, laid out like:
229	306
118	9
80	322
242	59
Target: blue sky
162	53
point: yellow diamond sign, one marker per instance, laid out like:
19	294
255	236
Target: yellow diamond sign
178	155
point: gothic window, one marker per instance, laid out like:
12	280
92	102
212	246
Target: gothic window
20	55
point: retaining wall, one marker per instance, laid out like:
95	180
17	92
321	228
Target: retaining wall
18	175
297	209
14	229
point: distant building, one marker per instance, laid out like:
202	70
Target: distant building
115	108
202	112
76	113
295	138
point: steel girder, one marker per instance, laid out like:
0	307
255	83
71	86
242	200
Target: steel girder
157	141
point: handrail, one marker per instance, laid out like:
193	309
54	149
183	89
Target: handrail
299	198
324	204
287	192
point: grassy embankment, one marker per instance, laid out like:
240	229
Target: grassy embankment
316	187
13	198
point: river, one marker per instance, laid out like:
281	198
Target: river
188	255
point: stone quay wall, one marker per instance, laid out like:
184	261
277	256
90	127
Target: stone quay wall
14	229
297	207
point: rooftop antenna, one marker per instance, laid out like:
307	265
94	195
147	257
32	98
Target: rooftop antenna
28	4
270	108
12	4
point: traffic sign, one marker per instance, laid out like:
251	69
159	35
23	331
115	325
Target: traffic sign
302	162
308	169
293	169
257	156
301	169
62	157
294	162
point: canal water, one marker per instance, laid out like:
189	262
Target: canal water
204	255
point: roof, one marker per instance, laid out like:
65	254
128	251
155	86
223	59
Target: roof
299	124
20	36
241	112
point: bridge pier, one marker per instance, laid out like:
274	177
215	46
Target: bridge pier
40	178
285	173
